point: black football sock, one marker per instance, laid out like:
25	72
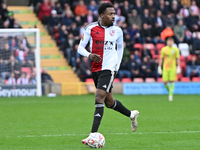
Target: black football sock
121	108
98	114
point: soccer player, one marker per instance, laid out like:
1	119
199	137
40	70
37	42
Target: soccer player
106	50
169	58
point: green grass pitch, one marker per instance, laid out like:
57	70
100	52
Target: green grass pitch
61	123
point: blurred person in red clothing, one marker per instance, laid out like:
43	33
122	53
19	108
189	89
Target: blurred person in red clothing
45	11
81	9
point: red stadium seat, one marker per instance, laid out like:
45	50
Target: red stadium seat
126	80
150	80
159	80
138	80
150	46
26	69
116	80
182	58
89	80
190	57
183	65
185	79
159	46
196	79
138	46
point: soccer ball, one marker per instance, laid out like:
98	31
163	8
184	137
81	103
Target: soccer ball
96	140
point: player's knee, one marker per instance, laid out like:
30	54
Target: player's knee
99	99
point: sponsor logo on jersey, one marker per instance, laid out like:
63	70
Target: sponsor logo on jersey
104	86
97	115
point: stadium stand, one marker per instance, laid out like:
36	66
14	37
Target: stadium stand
143	21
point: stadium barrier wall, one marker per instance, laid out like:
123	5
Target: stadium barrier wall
158	88
18	90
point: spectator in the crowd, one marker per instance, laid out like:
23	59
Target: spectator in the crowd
93	7
188	36
169	20
74	57
129	42
59	9
1	80
85	68
155	32
13	43
162	7
45	77
11	79
81	9
146	52
90	17
196	43
36	5
146	33
179	32
167	32
78	21
151	7
1	22
32	79
192	22
62	35
138	6
75	31
134	19
194	8
146	18
126	53
154	68
133	67
134	33
146	68
22	80
53	22
31	57
185	11
4	11
69	44
179	16
118	13
137	58
126	9
6	52
14	66
45	11
175	8
67	19
11	19
3	69
123	70
159	19
193	68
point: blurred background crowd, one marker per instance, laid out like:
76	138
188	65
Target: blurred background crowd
145	25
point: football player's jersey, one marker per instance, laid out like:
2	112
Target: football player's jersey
103	41
169	54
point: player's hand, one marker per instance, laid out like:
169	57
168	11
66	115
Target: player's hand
159	70
94	57
178	70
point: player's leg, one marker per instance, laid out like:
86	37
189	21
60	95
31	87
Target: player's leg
100	96
116	105
172	78
165	78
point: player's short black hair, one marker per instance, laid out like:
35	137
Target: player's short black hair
170	38
102	7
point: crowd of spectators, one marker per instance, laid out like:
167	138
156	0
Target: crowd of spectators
142	21
16	59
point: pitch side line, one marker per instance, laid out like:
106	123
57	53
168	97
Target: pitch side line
59	135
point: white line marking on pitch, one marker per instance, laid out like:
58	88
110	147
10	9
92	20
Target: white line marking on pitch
57	135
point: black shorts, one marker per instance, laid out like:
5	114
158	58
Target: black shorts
104	80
